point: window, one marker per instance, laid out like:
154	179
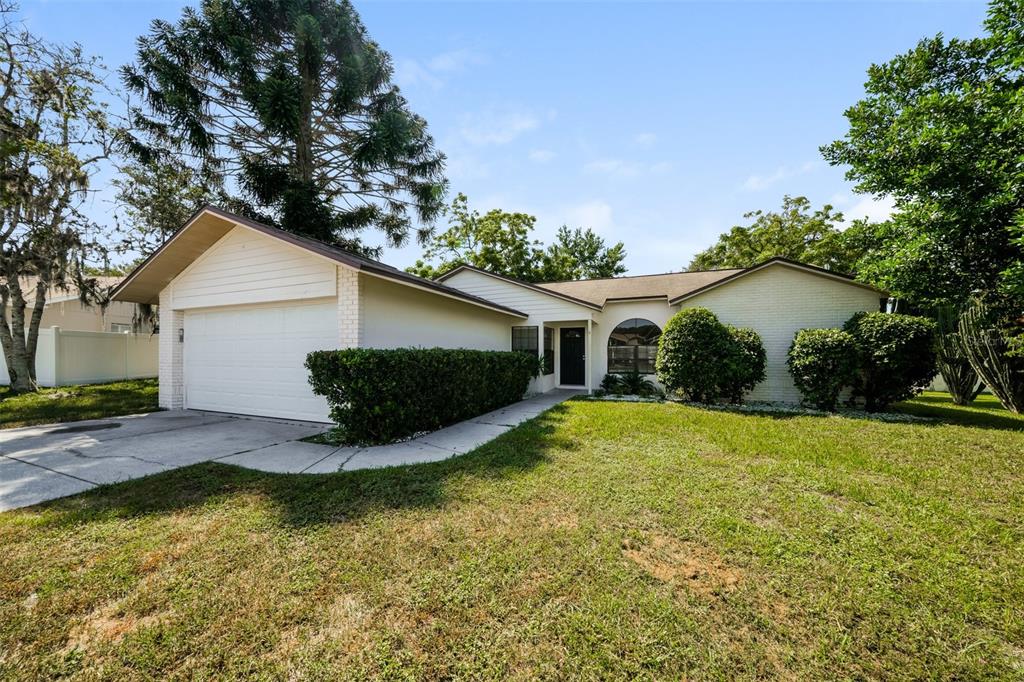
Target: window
120	328
524	339
549	350
632	347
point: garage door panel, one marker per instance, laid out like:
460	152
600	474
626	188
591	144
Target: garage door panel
249	359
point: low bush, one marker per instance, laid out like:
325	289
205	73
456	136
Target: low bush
895	356
378	396
822	362
630	383
706	360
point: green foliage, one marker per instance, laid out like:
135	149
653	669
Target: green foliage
55	135
153	200
706	360
630	383
793	232
293	102
499	242
822	362
747	365
580	254
895	356
377	396
941	130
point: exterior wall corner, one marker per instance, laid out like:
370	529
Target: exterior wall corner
171	371
350	308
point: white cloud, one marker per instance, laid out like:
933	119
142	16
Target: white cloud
541	155
411	72
644	139
875	210
621	168
495	128
756	183
456	60
616	167
596	214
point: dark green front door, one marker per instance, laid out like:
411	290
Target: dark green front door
573	362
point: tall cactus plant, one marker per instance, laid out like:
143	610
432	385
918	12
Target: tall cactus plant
961	380
987	351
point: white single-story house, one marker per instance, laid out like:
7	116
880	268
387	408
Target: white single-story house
242	303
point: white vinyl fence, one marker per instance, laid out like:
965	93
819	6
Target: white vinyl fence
64	357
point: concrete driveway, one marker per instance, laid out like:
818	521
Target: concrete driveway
39	463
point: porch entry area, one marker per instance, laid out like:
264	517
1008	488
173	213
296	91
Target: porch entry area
565	350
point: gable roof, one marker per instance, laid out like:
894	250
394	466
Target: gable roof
674	287
209	224
667	285
542	288
785	262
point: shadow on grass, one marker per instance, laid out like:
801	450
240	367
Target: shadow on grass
985	412
313	499
937	409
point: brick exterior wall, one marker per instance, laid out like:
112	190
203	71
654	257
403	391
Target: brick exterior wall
350	308
172	370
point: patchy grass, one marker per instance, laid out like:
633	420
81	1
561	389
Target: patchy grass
601	540
74	403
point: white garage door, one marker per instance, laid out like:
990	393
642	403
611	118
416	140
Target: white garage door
249	359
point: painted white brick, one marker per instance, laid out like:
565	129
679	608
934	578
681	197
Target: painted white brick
171	372
777	302
350	308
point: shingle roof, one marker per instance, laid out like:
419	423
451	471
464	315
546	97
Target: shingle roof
139	288
668	285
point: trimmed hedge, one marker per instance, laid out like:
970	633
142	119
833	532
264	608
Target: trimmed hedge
379	396
706	360
896	357
822	362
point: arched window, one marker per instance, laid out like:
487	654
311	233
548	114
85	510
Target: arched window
632	347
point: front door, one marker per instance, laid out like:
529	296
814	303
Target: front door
573	363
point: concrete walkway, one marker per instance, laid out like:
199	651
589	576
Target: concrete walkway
39	463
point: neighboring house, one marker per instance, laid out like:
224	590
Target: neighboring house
81	344
64	309
242	303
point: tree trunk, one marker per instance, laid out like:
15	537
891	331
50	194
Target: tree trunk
19	355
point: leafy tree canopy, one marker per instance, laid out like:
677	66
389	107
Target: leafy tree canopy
55	134
794	232
153	200
499	242
293	101
941	129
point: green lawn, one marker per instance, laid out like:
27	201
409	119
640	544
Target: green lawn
599	540
74	403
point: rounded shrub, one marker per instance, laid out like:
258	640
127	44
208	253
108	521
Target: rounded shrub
822	362
895	354
707	361
748	364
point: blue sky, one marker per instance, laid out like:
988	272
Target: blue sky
656	124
